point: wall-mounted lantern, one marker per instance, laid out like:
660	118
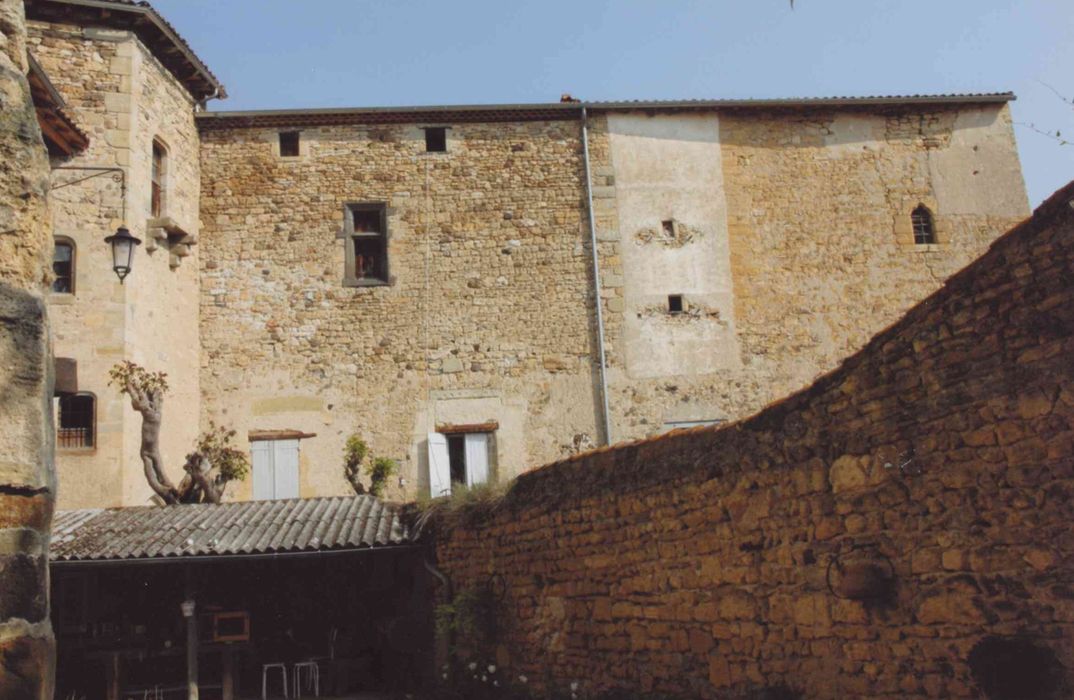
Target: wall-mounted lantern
123	244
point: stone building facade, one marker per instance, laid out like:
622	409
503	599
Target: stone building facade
743	250
424	277
129	104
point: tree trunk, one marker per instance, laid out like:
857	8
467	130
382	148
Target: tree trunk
150	405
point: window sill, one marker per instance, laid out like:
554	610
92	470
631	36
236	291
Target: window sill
352	282
927	247
61	298
77	451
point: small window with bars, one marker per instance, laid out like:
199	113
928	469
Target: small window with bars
63	266
924	226
77	422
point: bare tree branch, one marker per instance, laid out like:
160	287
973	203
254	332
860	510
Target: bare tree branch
1056	136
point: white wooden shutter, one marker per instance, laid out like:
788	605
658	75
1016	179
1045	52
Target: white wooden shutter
261	456
439	466
477	458
285	462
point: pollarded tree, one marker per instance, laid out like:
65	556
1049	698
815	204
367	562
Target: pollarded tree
208	469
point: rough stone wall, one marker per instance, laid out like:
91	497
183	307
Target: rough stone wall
813	208
936	465
488	316
27	482
120	95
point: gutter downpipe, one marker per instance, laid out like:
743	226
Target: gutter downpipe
598	301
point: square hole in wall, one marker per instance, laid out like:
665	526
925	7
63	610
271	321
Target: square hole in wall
675	303
436	139
669	228
289	144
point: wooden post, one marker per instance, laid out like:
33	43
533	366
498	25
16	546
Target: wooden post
228	690
111	673
191	650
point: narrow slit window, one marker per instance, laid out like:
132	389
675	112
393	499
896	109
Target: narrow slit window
924	227
367	245
78	421
669	228
436	139
289	144
159	172
675	303
63	267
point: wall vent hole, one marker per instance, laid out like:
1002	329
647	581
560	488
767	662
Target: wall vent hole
675	304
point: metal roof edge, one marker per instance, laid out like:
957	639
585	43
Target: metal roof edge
620	105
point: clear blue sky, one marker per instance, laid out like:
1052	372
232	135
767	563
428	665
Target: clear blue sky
334	53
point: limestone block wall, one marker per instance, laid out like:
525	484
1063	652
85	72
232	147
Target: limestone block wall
791	244
884	532
27	479
121	96
487	316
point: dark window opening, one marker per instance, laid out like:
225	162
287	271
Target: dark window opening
675	303
924	228
63	267
289	144
156	202
77	424
669	228
367	245
457	458
369	259
436	139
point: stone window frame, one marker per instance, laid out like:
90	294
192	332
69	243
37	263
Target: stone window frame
57	241
447	141
92	427
303	145
904	229
350	279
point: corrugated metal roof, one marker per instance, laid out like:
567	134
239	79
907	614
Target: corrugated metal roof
558	110
227	529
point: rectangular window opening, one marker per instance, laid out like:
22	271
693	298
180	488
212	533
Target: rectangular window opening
367	245
675	304
289	141
63	268
436	139
669	228
77	421
458	461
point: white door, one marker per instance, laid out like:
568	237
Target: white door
477	458
439	466
275	469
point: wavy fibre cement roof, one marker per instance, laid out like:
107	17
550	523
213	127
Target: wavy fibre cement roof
227	529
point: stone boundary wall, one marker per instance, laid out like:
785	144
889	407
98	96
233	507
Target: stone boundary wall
27	480
900	528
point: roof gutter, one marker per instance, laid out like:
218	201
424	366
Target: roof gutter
568	107
206	558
